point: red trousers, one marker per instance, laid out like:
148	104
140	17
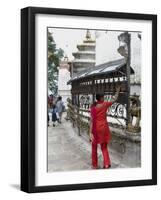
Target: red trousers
106	158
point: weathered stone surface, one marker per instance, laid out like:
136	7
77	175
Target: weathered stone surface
67	151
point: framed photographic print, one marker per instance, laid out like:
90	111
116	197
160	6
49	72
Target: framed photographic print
88	99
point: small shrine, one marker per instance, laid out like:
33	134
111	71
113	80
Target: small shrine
64	90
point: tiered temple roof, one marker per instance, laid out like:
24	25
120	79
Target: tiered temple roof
84	58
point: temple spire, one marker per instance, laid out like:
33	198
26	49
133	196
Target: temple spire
88	35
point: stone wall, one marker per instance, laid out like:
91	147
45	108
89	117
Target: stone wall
126	148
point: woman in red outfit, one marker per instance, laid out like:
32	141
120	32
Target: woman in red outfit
99	129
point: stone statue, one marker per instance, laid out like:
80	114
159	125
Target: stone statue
124	40
135	111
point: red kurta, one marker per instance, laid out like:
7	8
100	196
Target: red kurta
102	131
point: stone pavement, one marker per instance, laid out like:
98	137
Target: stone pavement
67	151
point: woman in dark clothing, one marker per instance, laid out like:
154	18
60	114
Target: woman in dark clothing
99	129
54	116
48	119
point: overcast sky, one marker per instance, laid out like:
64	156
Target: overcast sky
106	42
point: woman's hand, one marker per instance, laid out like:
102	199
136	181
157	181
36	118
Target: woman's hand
118	87
91	137
114	99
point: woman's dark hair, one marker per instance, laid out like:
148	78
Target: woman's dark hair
99	96
59	98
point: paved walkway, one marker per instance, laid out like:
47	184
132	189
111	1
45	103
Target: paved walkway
67	151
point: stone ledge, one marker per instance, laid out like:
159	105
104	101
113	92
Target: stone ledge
124	134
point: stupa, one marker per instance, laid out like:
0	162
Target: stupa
85	56
64	90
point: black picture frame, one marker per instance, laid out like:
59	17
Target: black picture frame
28	98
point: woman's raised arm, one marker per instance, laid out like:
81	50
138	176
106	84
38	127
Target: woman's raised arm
114	99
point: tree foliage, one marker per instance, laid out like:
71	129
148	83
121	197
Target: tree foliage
54	56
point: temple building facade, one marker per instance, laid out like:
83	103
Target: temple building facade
103	48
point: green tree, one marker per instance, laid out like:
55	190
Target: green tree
54	56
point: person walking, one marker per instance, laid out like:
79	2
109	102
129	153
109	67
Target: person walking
48	118
54	114
99	129
60	108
